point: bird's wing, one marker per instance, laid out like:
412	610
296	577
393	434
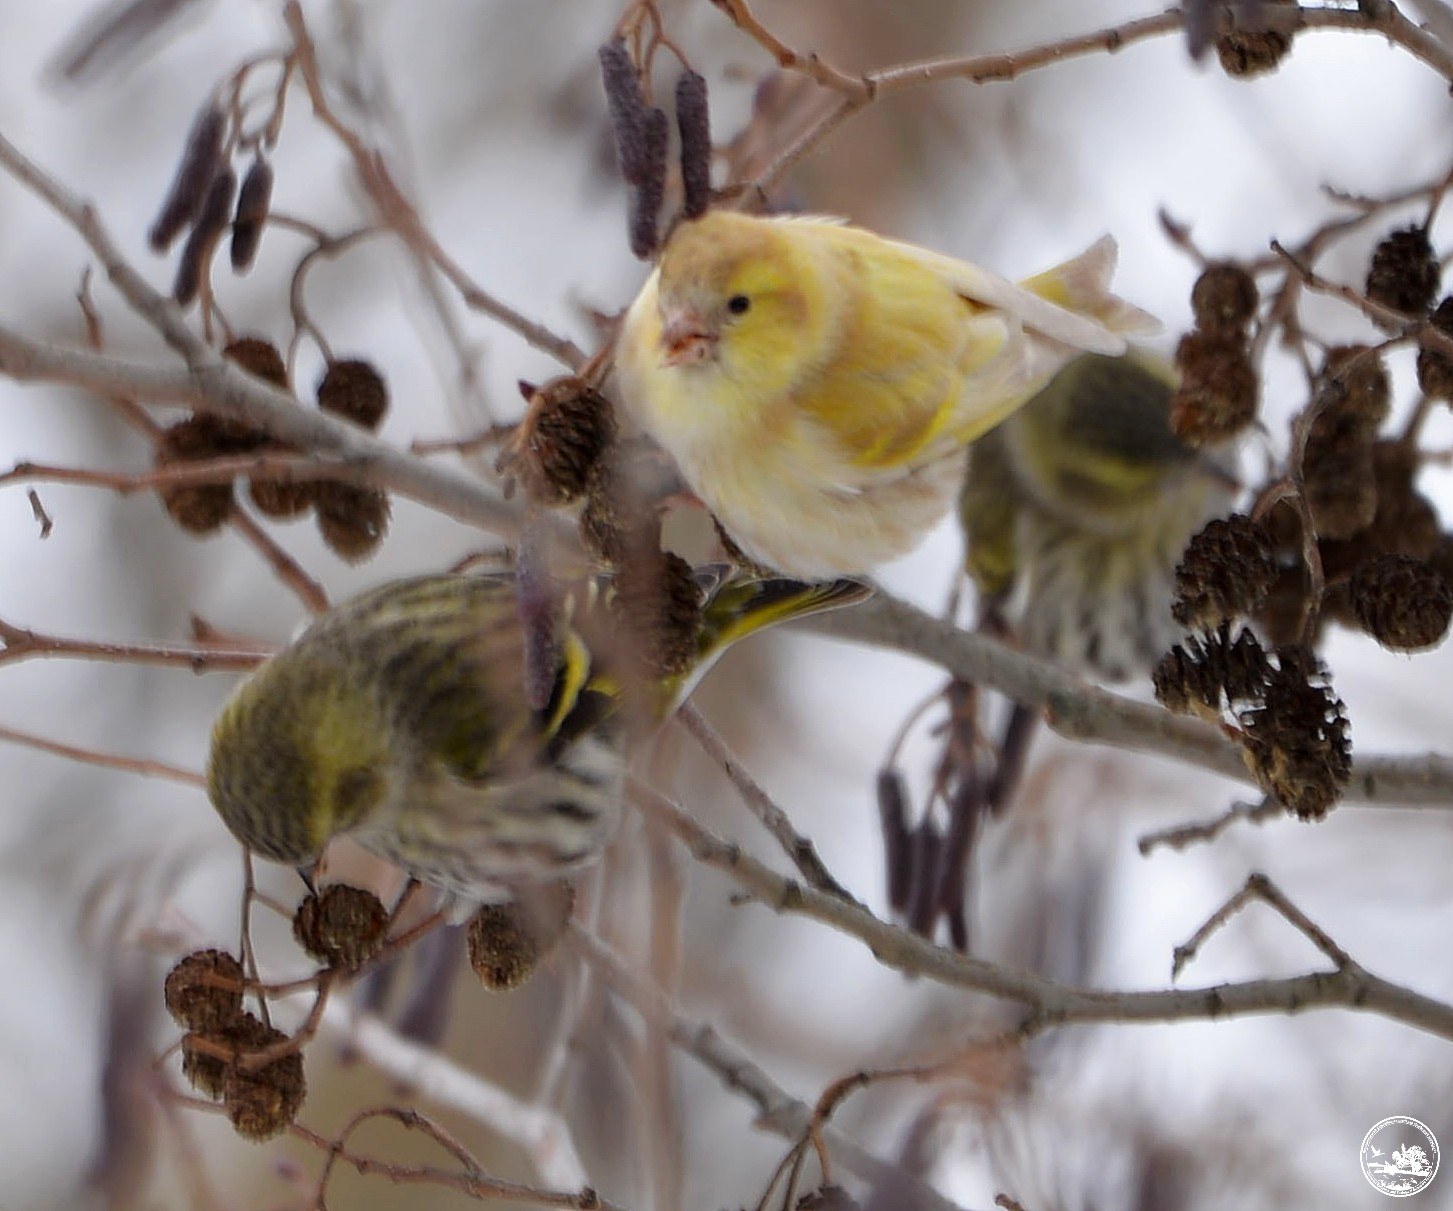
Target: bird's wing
1071	303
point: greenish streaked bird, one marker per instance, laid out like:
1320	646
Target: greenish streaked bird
1077	509
402	719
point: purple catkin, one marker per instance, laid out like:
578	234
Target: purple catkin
252	205
651	193
200	164
215	215
628	114
693	120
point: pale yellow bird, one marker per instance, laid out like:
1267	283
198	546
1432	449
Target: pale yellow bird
816	383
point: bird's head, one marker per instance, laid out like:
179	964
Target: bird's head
293	761
734	294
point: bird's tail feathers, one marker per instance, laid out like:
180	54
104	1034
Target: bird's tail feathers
741	605
1082	285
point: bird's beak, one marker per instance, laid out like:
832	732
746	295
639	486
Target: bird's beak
686	338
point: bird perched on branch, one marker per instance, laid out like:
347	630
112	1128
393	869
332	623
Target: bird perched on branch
816	383
1077	509
403	719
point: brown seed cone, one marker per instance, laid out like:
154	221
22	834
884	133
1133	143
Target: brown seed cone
507	942
1282	614
1247	53
1404	273
1405	604
1296	739
197	508
278	498
352	520
207	1073
1435	368
657	604
282	499
204	990
1224	300
568	429
1217	396
342	927
259	358
262	1104
204	1072
615	524
1338	481
1210	670
1406	522
1441	559
353	389
1358	387
1227	570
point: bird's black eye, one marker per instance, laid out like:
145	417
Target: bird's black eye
738	304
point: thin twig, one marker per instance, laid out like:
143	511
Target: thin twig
1182	836
218	385
799	850
287	569
1387	21
89	756
18	643
1259	888
399	213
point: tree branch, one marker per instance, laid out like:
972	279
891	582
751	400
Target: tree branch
218	386
1048	1003
1080	711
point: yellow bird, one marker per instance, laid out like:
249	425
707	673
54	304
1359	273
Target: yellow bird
817	383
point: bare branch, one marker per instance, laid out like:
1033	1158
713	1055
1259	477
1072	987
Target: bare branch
1048	1003
218	386
799	849
87	756
1259	888
1080	711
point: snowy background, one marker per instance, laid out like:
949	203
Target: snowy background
492	112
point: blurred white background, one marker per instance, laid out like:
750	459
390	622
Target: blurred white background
492	113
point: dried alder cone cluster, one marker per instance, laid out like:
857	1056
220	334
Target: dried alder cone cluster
204	994
352	519
1384	561
255	1070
